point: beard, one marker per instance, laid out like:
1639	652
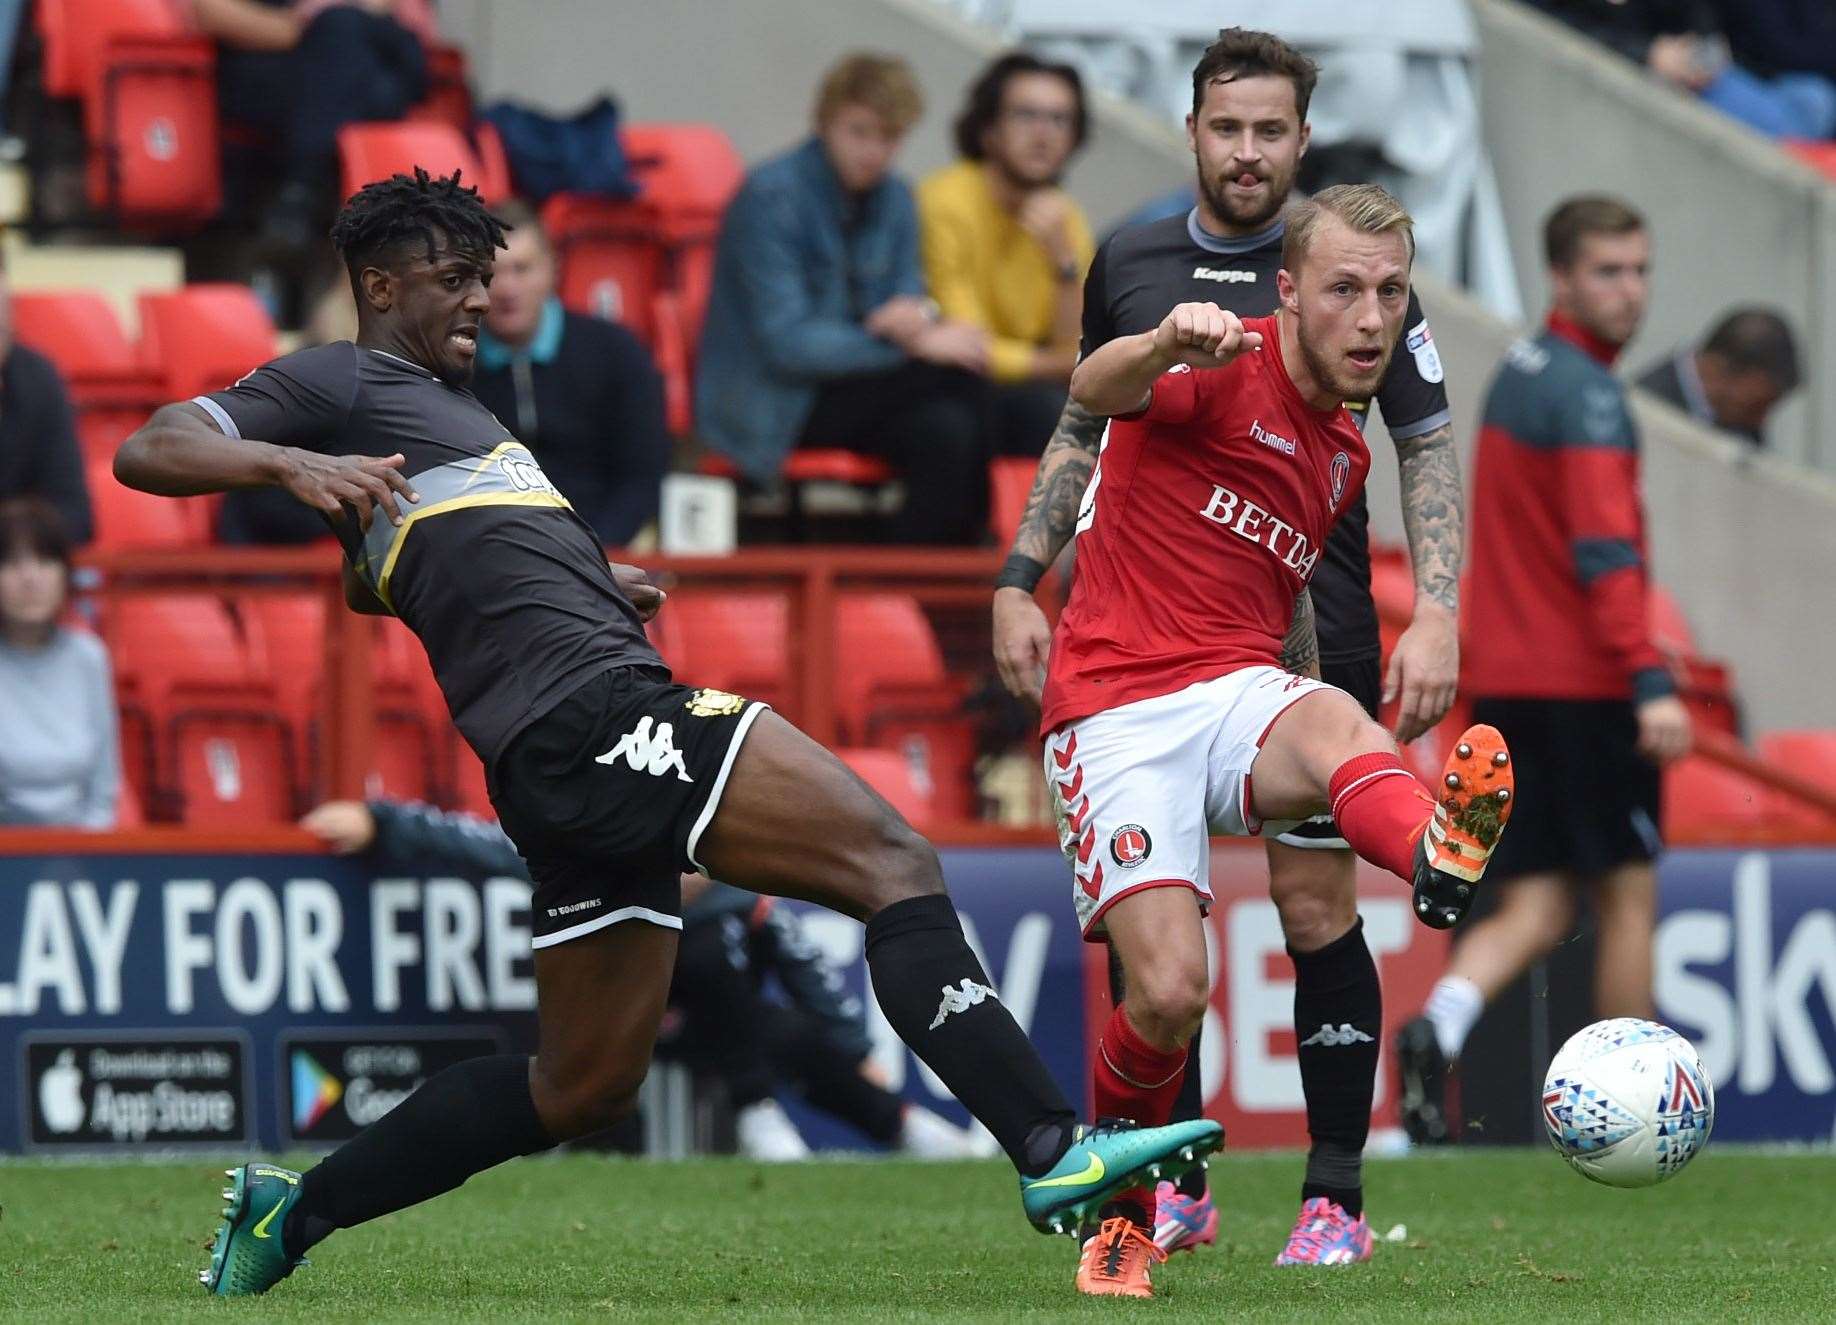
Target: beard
1244	214
1329	369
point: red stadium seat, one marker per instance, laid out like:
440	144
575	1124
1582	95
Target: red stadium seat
889	773
369	152
232	763
1710	802
888	658
78	331
1810	755
222	750
734	641
816	465
1010	481
126	518
688	174
204	337
448	99
613	265
155	155
77	34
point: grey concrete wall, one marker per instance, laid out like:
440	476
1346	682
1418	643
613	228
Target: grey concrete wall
1749	548
1734	220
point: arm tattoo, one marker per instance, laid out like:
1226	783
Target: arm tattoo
1058	488
1433	510
1300	651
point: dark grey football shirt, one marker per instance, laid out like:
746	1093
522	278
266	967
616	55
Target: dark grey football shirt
1141	272
507	588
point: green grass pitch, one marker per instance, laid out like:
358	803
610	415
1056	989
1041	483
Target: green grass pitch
1492	1237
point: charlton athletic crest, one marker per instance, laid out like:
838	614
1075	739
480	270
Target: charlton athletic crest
1129	845
1341	470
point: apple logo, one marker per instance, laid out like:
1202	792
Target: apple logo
60	1093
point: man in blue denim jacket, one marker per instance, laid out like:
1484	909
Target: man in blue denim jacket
818	329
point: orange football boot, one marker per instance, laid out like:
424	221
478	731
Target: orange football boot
1115	1262
1476	793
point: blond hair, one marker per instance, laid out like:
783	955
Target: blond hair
1369	209
884	84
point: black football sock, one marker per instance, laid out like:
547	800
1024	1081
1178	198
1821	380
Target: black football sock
1338	1022
940	1001
1190	1103
464	1120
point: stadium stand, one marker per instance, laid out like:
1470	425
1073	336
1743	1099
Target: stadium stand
203	337
375	151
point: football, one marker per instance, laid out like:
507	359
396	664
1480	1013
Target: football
1627	1102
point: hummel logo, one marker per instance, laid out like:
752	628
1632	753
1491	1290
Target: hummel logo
960	1000
647	753
1335	1037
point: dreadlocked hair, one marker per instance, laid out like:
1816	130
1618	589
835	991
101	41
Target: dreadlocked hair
389	213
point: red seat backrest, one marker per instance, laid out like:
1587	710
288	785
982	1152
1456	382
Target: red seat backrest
171	646
204	337
372	151
152	126
889	773
1710	798
76	329
232	765
126	518
1811	754
612	265
77	34
688	173
885	644
734	641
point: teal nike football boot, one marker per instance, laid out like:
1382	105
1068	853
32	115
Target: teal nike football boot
1109	1158
248	1257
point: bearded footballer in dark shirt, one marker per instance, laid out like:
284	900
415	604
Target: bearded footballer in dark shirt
1248	130
610	778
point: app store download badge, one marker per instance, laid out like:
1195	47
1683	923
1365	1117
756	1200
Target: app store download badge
134	1090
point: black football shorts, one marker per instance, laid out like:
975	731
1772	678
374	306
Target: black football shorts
1587	801
608	793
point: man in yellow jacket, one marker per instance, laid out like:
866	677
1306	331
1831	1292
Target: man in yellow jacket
1005	248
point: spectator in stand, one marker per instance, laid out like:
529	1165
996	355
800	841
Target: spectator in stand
60	751
1683	43
819	332
813	1042
39	455
1779	37
1559	655
300	70
581	393
1005	248
1746	366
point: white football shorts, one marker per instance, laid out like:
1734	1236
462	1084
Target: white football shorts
1139	789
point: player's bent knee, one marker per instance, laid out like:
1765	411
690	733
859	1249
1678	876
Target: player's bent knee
1311	917
900	864
590	1103
1167	1003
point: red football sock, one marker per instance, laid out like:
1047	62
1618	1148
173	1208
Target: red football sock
1136	1080
1381	810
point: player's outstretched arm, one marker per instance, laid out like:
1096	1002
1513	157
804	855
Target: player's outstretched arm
1425	665
1022	635
1119	377
179	452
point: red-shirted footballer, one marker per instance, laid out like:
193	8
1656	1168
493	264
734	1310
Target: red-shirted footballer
1176	700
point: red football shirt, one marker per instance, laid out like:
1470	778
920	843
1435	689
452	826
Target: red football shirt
1202	523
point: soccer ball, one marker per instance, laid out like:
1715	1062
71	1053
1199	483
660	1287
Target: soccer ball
1627	1102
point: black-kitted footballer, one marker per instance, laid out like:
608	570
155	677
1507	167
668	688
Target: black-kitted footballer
610	778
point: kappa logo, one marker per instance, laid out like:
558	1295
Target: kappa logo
1336	1037
1341	470
960	1000
1223	275
1129	845
647	751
